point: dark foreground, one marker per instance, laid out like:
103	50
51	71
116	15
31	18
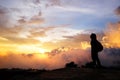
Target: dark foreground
61	74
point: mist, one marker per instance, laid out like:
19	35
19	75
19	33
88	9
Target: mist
109	57
44	61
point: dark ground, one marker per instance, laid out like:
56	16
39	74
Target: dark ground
61	74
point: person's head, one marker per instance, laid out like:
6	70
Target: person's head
93	36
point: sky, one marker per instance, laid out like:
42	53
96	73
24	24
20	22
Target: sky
49	33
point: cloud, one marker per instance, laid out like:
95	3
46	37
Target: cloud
7	28
15	28
6	32
81	40
18	32
111	38
53	3
3	40
58	58
43	61
3	10
4	17
10	31
79	37
15	10
118	11
33	20
36	20
71	43
38	34
32	2
16	35
75	9
36	1
22	21
110	57
18	40
39	31
22	61
58	32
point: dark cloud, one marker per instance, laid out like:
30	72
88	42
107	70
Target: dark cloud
21	21
118	11
3	10
4	17
110	57
36	20
53	3
36	1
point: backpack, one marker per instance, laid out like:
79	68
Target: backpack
99	46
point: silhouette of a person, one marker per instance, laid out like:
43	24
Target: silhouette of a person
95	50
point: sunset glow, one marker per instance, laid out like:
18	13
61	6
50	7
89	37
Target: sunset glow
50	33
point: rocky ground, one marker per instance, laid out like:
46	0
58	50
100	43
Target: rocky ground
61	74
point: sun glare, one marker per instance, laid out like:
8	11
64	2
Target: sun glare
42	51
42	56
31	49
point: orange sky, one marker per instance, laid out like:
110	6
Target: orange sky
33	53
80	41
49	32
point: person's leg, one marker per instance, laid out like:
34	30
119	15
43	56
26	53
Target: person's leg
97	60
93	58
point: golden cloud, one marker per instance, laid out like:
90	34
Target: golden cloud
112	35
